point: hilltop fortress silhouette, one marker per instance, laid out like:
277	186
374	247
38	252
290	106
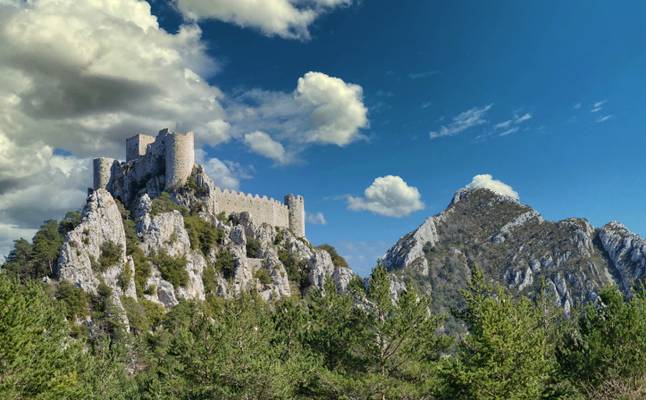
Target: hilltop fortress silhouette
166	163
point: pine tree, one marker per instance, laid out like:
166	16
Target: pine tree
506	353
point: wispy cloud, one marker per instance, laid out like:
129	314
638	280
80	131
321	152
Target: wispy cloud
515	120
316	218
604	118
423	74
426	104
509	131
577	106
598	106
463	121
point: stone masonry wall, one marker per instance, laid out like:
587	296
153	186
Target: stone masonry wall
180	159
261	209
136	146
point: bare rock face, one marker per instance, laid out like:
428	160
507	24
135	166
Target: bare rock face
627	252
515	246
94	252
82	250
165	233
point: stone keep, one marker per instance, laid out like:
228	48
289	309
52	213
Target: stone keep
296	207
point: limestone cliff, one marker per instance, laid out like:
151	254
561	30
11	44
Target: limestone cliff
514	245
179	246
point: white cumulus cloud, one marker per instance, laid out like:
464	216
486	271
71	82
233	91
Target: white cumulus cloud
261	143
388	195
285	18
322	110
465	120
486	181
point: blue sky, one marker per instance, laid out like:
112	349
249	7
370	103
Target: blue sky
546	96
421	64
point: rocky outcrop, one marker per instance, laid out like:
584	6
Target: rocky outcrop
515	246
626	251
177	265
94	253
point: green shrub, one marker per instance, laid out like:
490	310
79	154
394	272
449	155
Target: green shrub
225	263
110	255
222	217
136	315
71	220
337	259
203	235
74	298
253	247
164	203
296	269
263	276
280	235
154	312
125	277
209	279
173	269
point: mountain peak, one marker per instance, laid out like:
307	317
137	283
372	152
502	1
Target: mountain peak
485	182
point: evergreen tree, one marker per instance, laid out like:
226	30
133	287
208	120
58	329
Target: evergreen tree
603	350
506	353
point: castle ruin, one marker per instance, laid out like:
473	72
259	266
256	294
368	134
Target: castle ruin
166	162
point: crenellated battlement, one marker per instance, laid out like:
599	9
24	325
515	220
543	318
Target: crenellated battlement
166	162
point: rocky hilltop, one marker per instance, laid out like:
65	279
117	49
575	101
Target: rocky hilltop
178	246
515	246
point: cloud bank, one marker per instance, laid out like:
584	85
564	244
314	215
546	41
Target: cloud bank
388	195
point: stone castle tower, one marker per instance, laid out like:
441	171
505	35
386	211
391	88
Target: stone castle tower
166	162
296	215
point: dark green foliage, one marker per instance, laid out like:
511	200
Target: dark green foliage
263	276
36	260
124	277
337	259
296	269
39	360
507	353
603	350
253	248
172	269
203	235
209	279
193	186
222	217
225	264
75	300
110	256
164	203
71	220
280	235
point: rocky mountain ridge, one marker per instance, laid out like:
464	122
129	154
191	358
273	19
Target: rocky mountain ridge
514	245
